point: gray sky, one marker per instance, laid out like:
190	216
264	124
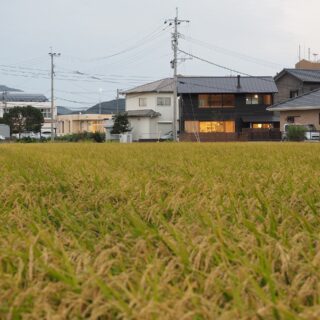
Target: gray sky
258	37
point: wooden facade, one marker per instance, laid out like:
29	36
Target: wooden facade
243	114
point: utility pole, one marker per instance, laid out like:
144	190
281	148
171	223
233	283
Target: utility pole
100	90
118	93
174	64
4	101
52	55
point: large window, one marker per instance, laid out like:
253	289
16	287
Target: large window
252	99
209	126
142	102
191	126
216	100
262	125
163	101
217	126
265	99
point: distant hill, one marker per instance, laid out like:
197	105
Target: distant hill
5	88
63	110
107	107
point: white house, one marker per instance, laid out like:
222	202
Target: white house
10	99
150	109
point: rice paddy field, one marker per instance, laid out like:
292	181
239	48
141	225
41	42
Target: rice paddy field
160	231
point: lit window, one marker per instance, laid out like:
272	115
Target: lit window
252	99
217	126
262	126
267	99
191	126
216	100
142	102
164	101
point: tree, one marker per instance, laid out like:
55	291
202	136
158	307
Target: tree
23	119
121	123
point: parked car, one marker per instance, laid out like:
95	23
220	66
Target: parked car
2	137
311	132
46	134
167	136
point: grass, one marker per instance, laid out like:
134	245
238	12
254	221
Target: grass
160	231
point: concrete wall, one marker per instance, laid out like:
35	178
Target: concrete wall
144	128
301	117
308	65
77	123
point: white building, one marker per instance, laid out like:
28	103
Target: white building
10	99
150	109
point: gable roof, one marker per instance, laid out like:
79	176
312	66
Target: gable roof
226	85
188	84
307	101
303	75
164	85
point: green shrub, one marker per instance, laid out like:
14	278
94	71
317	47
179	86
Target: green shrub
296	133
83	136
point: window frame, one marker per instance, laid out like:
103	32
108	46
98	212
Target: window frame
215	100
164	99
143	104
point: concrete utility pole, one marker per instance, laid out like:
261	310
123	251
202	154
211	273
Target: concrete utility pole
118	93
100	90
52	55
4	101
174	64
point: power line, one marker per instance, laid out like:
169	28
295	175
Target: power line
214	64
238	55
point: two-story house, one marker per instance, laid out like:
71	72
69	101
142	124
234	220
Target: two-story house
225	105
292	83
150	109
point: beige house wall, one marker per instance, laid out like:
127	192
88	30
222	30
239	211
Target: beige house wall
78	123
301	117
309	65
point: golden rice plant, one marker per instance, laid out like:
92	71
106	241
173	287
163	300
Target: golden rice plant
160	231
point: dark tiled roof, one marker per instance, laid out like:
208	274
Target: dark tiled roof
301	74
107	107
148	113
23	97
307	101
226	85
163	85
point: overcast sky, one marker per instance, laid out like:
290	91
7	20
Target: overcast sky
258	37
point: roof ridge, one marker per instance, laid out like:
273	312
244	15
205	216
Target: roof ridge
227	77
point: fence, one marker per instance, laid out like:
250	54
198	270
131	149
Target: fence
245	135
